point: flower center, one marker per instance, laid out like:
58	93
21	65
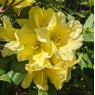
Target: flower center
56	38
36	45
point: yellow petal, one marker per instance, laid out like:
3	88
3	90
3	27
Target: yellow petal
74	61
75	43
49	15
75	28
35	66
39	57
31	16
60	17
57	75
57	19
7	23
8	32
43	34
66	53
68	74
26	36
24	54
27	80
55	60
42	18
70	66
22	22
41	82
59	34
48	48
10	48
39	17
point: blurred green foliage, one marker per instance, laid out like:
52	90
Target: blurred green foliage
82	80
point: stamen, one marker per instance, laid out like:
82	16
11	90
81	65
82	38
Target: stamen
36	45
56	39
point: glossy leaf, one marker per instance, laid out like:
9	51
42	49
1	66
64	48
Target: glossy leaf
4	77
42	92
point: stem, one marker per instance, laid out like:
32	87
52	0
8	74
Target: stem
12	2
5	5
17	3
6	2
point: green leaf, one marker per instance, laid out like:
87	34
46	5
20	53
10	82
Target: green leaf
69	17
91	2
89	22
82	64
91	29
2	71
5	77
11	74
15	77
40	92
17	70
86	61
84	3
89	37
81	15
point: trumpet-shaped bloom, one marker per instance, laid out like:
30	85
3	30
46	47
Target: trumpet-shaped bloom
65	36
53	27
27	46
38	18
54	69
56	74
31	46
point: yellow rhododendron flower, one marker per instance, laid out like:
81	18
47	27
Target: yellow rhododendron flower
7	33
53	27
31	46
54	69
66	36
56	74
38	18
27	46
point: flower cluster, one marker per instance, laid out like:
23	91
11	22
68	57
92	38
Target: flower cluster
48	42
